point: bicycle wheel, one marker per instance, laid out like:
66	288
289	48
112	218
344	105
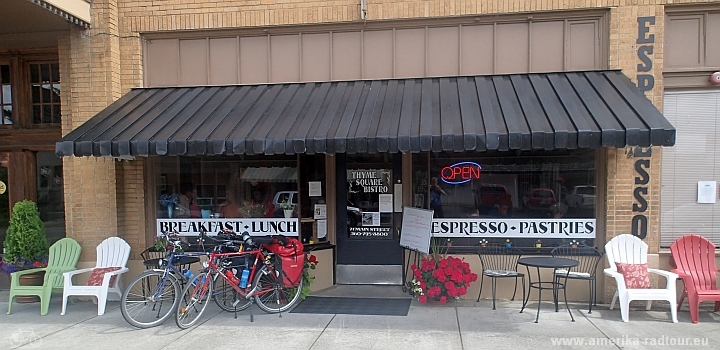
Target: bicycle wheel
272	296
194	299
227	298
150	299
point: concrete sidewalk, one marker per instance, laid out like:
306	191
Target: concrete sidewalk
463	325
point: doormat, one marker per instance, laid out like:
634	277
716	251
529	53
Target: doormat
353	306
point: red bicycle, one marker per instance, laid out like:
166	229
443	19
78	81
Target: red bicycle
244	272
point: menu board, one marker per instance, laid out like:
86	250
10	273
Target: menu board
416	228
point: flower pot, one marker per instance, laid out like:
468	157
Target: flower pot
33	279
288	213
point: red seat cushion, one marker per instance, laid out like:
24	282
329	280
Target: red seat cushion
97	275
636	275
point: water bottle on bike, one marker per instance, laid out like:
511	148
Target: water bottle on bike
244	277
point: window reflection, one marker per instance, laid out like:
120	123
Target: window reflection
5	96
252	187
509	185
543	185
50	198
45	91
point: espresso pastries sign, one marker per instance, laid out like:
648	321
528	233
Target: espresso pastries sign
514	228
256	227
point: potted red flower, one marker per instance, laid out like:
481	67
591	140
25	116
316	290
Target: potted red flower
440	279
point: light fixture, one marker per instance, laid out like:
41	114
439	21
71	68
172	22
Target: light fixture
363	10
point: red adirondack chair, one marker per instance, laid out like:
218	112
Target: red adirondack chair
694	257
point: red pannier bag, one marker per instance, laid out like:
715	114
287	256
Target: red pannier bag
291	260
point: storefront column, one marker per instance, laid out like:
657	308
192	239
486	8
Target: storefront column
90	202
633	174
93	74
633	202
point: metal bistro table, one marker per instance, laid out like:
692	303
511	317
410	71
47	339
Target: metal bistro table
550	263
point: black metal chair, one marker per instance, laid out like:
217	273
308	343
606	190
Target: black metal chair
589	257
498	261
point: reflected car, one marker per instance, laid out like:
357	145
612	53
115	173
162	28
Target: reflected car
582	197
541	198
354	214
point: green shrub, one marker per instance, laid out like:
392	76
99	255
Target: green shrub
25	236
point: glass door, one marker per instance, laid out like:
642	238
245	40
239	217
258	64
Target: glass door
367	239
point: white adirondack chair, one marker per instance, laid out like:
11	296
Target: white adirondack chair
629	249
112	252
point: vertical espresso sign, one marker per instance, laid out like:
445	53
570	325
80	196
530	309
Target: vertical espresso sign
640	193
645	81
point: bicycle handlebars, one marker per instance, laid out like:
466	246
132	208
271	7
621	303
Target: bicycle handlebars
245	238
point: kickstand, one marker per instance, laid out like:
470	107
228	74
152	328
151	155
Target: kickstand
252	319
236	313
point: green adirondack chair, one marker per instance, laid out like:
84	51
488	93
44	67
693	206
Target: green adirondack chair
64	255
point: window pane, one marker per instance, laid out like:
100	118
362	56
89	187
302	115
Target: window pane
55	72
56	92
36	93
4	74
45	71
37	116
6	94
50	199
7	115
46	93
47	114
56	113
34	73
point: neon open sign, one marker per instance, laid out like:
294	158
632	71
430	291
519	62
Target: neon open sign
459	173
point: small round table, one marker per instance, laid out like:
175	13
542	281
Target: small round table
551	263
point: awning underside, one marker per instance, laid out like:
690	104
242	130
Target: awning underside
501	112
283	174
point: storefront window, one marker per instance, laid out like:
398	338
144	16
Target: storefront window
546	188
225	187
50	198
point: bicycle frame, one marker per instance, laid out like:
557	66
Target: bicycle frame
169	267
259	259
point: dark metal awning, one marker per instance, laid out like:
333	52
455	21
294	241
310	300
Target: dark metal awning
500	112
